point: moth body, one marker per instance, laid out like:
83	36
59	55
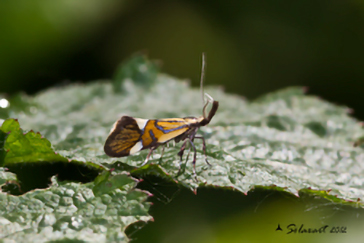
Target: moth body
130	135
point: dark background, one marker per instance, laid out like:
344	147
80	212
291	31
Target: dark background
252	47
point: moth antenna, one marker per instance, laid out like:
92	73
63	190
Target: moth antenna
209	97
201	81
210	100
204	109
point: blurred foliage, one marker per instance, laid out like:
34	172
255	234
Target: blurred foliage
252	47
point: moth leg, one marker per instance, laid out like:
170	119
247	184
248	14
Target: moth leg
147	158
162	153
183	147
180	154
203	148
188	155
194	159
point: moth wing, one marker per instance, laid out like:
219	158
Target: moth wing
171	128
123	137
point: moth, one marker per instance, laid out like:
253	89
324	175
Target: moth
130	135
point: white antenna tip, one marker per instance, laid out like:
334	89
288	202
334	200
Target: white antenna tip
209	97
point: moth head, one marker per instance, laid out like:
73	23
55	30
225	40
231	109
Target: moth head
215	105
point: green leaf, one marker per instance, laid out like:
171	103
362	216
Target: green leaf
32	159
6	176
74	211
3	137
285	139
28	147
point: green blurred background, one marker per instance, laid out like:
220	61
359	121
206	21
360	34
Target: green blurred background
252	47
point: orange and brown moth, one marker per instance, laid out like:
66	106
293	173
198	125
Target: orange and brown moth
130	135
